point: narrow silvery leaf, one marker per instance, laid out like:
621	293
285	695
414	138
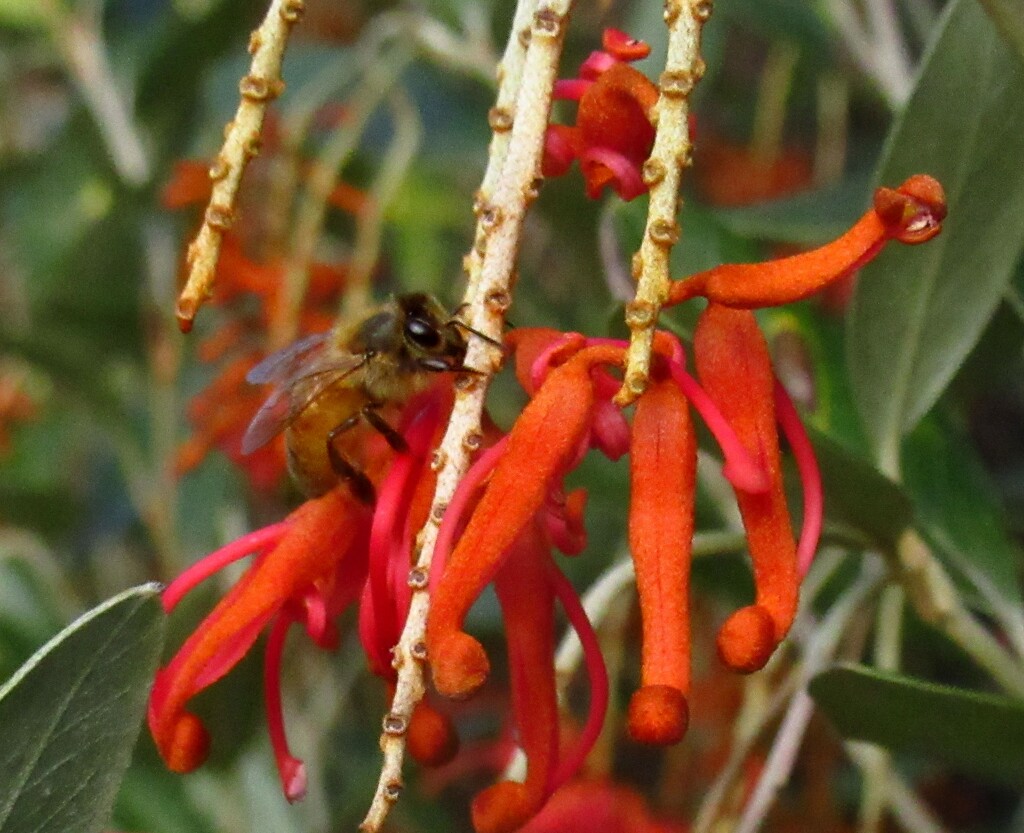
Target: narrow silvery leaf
70	716
919	310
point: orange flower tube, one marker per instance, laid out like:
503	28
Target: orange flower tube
735	369
315	547
912	213
540	446
663	471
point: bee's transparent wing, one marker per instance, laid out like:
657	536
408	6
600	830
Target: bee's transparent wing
287	361
295	393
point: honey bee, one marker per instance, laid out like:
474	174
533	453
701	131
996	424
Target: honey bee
329	384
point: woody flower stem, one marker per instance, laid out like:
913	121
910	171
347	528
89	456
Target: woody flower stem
296	122
876	764
241	143
912	814
663	173
509	187
756	716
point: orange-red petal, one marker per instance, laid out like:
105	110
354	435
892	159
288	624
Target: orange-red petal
540	446
319	536
912	213
663	464
615	110
623	47
735	369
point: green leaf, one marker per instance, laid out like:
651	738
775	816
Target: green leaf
919	310
1008	16
981	734
958	507
859	495
69	717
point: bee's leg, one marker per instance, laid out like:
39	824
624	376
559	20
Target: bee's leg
384	428
358	482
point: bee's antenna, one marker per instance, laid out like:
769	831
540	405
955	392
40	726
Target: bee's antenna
458	322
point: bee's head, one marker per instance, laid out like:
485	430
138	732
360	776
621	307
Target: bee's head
430	338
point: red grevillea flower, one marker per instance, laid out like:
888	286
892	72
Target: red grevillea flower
912	213
528	583
571	411
332	552
570	382
613	134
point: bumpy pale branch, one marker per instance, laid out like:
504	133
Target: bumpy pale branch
241	143
501	118
526	78
663	173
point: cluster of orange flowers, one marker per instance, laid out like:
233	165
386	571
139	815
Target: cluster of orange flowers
251	291
512	509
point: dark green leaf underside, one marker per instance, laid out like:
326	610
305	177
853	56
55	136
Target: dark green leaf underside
981	734
70	716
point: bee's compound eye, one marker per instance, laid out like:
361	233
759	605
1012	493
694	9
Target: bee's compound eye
422	333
